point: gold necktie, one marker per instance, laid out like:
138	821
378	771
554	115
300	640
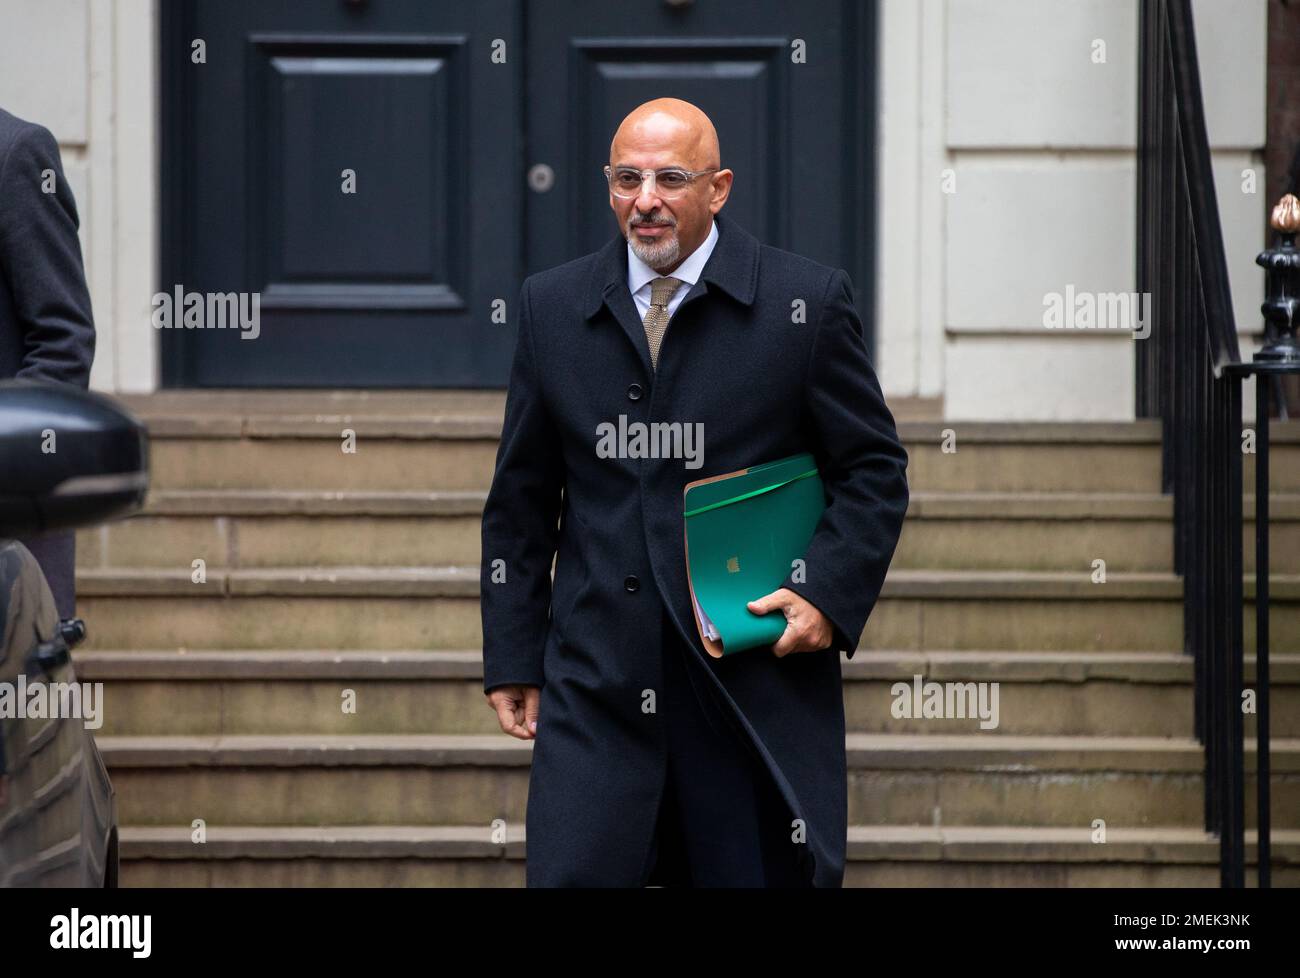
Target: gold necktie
656	317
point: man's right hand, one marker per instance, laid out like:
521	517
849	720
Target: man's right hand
517	708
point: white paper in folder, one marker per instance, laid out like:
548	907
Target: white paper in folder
710	632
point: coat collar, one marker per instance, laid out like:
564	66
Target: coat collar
733	268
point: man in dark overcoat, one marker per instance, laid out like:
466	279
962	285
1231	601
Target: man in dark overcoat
46	329
653	762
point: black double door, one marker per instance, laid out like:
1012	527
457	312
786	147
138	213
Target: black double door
385	173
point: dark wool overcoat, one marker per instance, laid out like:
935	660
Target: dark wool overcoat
766	352
46	329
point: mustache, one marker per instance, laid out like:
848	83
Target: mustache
645	223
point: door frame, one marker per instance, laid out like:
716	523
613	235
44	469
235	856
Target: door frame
173	110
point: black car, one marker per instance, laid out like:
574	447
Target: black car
68	458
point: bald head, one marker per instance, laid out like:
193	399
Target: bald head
667	132
670	126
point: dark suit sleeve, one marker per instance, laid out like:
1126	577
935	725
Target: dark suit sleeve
40	258
520	524
863	467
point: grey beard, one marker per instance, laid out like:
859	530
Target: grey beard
657	255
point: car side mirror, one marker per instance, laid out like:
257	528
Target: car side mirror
68	458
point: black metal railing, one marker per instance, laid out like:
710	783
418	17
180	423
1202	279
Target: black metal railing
1184	377
1189	374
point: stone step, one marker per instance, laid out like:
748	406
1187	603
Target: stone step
438	779
283	692
1054	531
277	528
254	528
243	403
876	855
456	450
256	414
246	402
350	607
1051	856
437	607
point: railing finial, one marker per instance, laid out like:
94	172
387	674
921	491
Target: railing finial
1286	215
1281	306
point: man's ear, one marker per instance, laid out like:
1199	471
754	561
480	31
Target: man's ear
721	185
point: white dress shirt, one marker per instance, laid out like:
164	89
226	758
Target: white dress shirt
640	275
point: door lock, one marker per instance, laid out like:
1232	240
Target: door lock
541	178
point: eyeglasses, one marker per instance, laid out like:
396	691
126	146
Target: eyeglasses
670	183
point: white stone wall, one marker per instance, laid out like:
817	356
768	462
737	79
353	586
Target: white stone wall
84	69
1007	173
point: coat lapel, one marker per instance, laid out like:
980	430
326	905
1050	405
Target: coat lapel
733	268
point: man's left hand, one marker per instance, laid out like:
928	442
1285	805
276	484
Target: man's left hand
806	628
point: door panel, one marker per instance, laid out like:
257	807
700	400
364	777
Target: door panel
394	246
390	286
797	135
726	80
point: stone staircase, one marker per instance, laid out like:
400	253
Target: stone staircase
329	575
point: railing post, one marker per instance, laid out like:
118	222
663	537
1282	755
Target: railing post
1262	776
1189	375
1279	355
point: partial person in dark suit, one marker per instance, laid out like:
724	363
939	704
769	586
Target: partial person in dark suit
654	763
46	328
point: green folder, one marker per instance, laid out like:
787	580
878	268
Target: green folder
744	530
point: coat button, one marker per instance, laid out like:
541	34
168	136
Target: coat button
630	583
634	392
